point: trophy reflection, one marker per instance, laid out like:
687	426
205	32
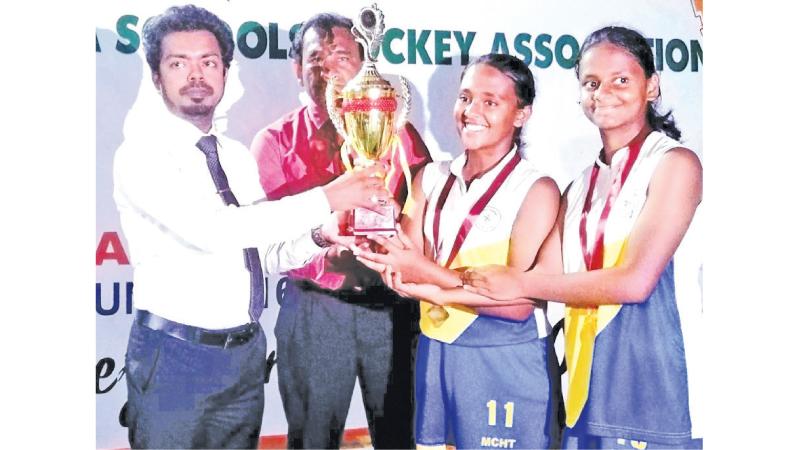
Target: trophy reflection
366	119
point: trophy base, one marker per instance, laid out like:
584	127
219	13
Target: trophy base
365	221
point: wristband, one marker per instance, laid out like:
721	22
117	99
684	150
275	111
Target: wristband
319	239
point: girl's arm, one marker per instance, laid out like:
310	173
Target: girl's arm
534	222
673	195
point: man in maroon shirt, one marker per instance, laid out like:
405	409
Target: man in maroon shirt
337	321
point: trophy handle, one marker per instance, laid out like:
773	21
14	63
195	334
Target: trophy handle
333	112
402	117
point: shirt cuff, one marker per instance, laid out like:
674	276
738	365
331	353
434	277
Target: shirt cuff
305	248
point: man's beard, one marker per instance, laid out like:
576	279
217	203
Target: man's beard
193	109
198	110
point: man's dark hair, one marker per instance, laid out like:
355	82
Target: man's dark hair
185	18
323	24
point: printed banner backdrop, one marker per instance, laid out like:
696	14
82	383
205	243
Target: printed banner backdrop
428	43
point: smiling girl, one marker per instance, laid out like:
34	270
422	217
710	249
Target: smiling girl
481	376
631	310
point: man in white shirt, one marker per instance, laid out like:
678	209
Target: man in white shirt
191	207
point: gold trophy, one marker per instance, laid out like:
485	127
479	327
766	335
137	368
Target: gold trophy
366	119
368	104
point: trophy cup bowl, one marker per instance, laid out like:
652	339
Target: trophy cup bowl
368	106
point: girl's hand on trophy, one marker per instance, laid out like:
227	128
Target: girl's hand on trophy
376	266
392	279
396	251
357	189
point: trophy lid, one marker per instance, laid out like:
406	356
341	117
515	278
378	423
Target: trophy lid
367	80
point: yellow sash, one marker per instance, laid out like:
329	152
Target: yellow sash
461	317
581	326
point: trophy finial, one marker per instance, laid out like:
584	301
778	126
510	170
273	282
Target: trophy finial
367	18
368	30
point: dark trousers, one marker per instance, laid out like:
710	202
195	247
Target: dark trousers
187	395
325	342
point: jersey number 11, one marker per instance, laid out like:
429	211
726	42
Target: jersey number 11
509	407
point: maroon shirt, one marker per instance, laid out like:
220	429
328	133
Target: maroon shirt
301	151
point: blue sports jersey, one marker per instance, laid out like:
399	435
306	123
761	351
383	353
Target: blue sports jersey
490	397
633	368
481	381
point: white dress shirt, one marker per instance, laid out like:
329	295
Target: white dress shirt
291	254
185	244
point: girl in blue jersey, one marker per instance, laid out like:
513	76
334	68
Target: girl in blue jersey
631	311
482	372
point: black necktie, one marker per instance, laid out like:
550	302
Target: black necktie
208	145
